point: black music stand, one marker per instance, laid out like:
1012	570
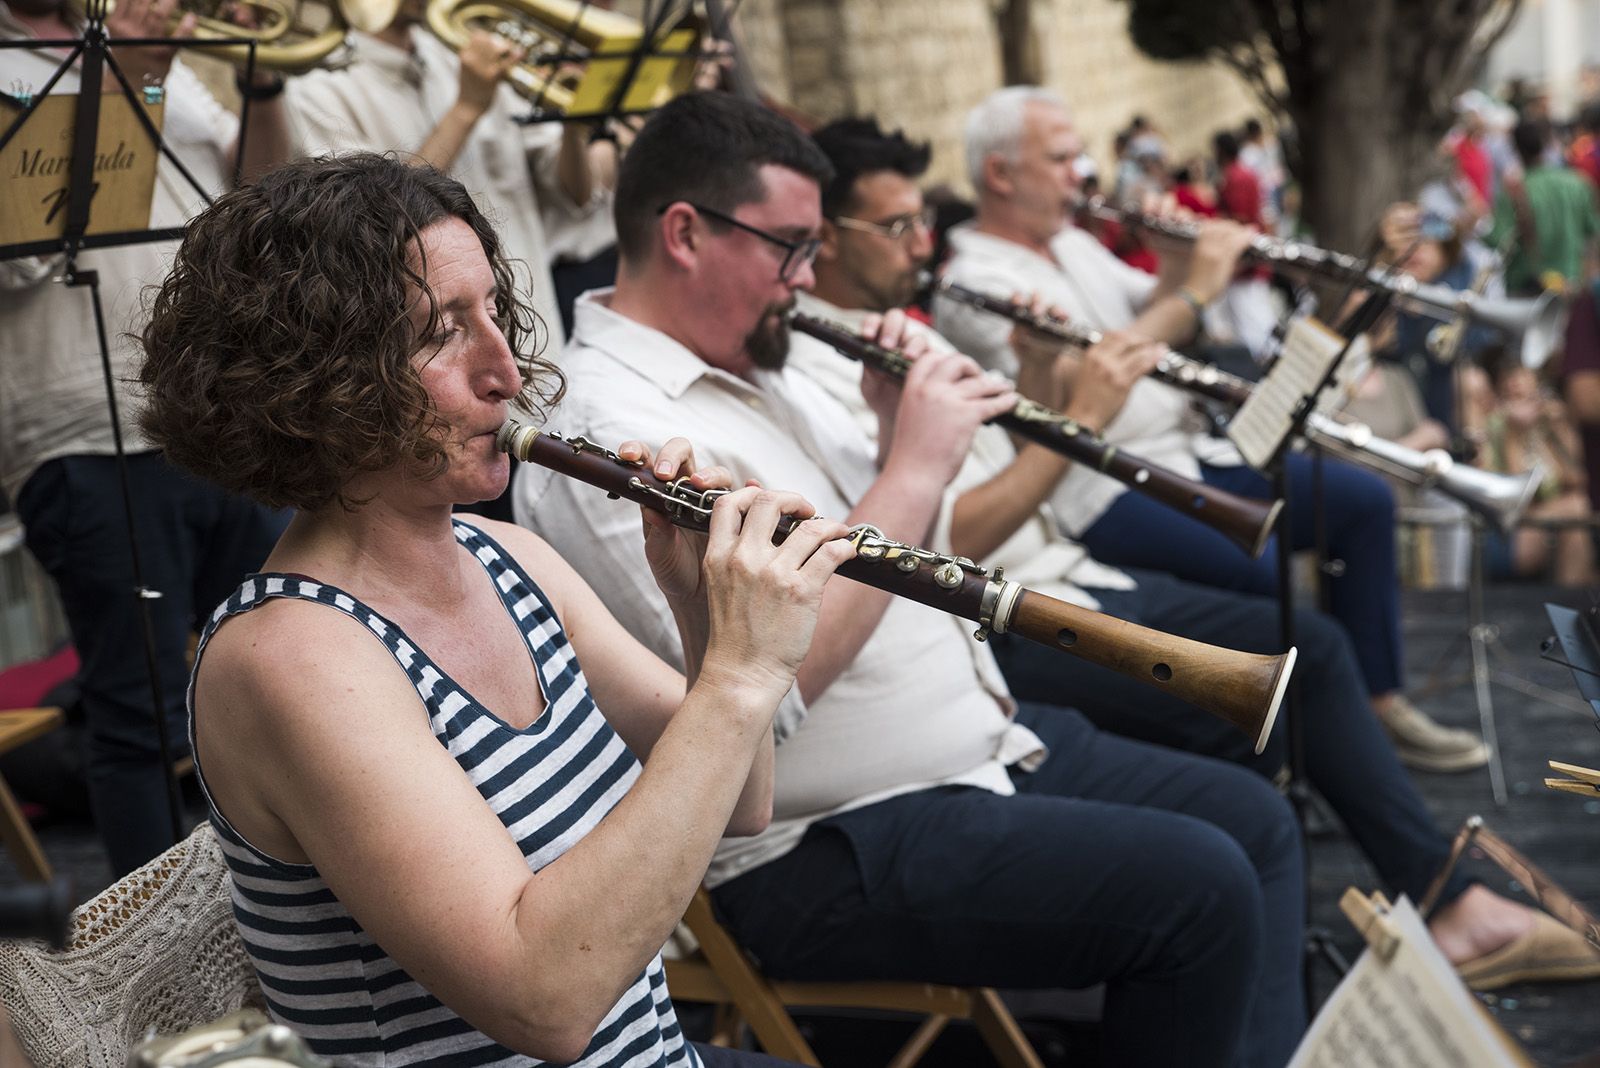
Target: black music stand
1319	941
96	52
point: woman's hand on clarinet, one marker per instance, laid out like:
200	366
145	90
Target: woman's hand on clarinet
762	599
674	552
759	600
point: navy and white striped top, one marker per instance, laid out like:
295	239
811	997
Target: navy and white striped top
549	783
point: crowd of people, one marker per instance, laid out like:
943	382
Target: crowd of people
467	770
1510	210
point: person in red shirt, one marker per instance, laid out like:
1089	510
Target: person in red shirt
1472	158
1238	188
1584	155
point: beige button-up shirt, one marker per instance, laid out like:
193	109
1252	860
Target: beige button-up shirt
390	99
52	389
1083	278
921	705
1036	555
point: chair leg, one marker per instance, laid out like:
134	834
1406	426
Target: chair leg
923	1037
19	839
726	1025
1000	1032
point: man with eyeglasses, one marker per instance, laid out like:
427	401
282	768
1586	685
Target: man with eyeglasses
997	513
925	827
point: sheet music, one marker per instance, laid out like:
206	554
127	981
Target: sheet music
1259	428
1346	377
1411	1011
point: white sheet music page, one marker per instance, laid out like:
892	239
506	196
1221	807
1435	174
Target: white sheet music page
1258	430
1411	1011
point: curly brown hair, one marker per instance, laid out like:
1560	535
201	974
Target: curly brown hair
278	358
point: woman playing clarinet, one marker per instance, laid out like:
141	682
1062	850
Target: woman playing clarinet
462	808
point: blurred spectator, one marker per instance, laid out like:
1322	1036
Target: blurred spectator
1246	314
1430	249
1528	429
1584	154
1258	150
1238	188
1580	366
1191	190
1473	163
1549	219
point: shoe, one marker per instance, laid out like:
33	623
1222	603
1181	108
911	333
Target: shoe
1428	746
1550	951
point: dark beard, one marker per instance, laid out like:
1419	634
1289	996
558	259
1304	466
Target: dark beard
768	345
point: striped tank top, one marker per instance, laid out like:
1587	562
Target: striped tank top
549	783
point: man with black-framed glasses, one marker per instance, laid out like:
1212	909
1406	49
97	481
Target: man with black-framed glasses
924	826
798	254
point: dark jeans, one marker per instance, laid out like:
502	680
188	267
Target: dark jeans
717	1057
1175	880
1138	532
196	543
1348	758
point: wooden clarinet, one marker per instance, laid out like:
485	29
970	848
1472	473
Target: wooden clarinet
1501	499
1244	521
1245	689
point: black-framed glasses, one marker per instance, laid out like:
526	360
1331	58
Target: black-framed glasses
895	229
797	254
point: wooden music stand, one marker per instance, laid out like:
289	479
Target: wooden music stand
721	974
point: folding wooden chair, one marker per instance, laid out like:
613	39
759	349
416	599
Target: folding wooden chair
19	726
722	975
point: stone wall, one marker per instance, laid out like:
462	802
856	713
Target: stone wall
921	64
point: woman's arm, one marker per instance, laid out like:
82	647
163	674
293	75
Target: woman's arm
315	746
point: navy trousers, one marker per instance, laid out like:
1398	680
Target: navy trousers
196	543
1138	532
717	1057
1176	880
1348	758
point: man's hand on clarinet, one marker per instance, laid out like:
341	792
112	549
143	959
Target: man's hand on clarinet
1105	374
944	399
1036	346
1215	258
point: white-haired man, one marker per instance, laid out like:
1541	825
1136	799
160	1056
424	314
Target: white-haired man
1021	143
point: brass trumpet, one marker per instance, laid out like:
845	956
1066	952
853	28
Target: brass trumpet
559	35
292	36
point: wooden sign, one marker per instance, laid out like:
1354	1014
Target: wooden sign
35	165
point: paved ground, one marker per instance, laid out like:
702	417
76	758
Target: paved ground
1559	1024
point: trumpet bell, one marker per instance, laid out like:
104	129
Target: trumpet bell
577	55
1532	325
293	36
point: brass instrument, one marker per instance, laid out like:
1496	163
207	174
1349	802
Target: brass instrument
292	36
1245	689
1534	325
1444	341
1501	499
558	35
